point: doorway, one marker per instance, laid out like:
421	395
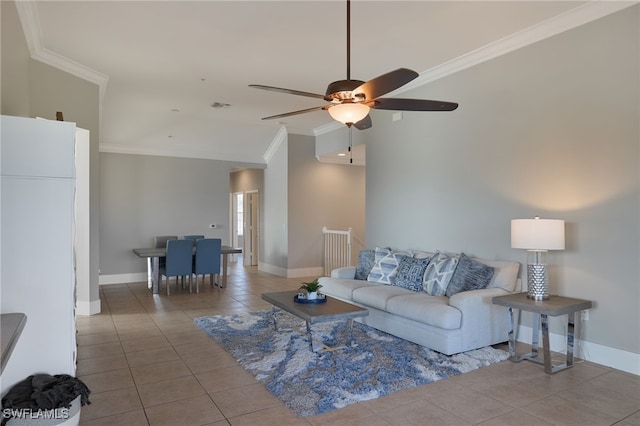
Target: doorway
251	227
245	232
237	220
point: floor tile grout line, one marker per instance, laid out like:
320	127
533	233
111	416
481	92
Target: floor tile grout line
247	299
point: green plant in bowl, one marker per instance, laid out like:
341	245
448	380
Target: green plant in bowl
312	289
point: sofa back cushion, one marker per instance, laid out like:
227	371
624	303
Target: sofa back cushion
505	273
438	273
469	275
386	266
410	273
366	260
419	254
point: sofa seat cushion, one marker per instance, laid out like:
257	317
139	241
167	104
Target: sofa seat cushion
377	296
431	310
343	288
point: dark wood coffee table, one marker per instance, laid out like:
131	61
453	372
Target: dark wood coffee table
313	313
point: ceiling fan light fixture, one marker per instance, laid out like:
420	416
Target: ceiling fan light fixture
348	113
350	100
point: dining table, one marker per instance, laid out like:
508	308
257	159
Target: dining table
154	254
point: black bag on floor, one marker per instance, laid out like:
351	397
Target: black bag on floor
44	392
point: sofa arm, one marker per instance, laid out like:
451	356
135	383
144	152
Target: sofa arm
348	272
483	322
470	301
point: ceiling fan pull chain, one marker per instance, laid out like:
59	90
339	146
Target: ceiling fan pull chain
350	145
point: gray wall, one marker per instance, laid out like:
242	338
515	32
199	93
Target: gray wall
143	196
273	245
15	63
320	194
53	90
33	89
549	130
247	180
301	196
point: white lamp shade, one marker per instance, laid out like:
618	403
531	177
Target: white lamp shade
537	234
349	113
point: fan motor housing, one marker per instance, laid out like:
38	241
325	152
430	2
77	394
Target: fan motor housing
342	89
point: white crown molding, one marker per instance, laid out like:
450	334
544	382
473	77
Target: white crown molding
75	68
30	22
28	14
280	137
292	129
163	152
568	20
596	9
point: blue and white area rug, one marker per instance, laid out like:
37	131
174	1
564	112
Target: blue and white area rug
313	383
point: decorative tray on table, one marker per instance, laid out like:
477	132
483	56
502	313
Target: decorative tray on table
302	298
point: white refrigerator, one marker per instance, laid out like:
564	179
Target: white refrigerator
37	261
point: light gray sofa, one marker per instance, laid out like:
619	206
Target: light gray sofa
465	321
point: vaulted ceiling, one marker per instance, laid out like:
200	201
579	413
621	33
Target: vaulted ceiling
161	65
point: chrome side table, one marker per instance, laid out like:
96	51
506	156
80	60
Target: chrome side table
554	306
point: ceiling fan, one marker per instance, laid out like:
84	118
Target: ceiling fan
350	100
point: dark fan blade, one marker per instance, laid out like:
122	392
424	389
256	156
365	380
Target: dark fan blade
386	83
302	111
289	91
363	124
413	104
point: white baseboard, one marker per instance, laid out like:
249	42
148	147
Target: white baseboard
92	307
275	270
592	352
317	271
291	273
135	277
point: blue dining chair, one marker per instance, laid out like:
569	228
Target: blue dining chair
207	259
161	241
179	262
194	238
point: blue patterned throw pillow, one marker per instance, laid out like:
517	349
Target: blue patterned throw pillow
386	266
469	275
410	273
439	273
366	260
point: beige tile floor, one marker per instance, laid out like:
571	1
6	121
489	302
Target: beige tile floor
147	363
